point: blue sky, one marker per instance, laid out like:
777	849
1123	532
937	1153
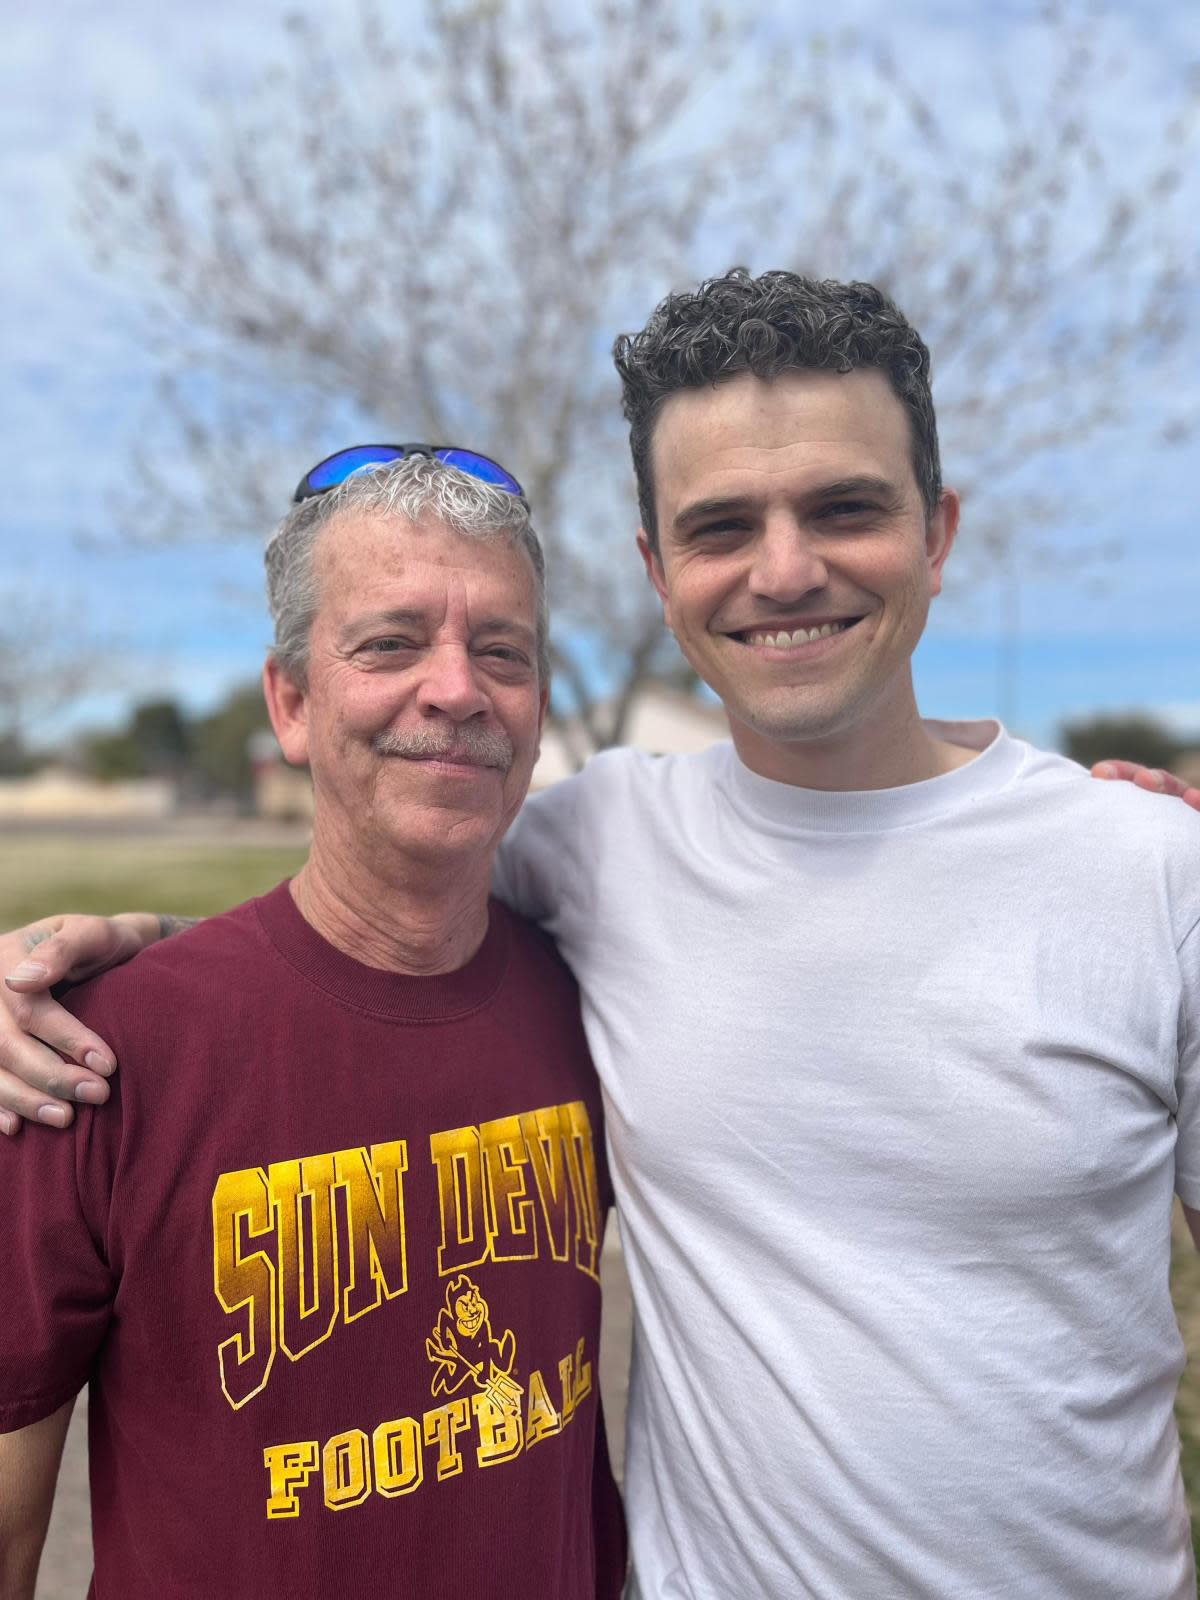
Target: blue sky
189	621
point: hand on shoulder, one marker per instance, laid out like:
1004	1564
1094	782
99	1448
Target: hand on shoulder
1152	778
48	1060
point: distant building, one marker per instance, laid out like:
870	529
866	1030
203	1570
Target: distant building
56	794
663	721
281	793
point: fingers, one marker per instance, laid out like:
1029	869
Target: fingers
33	958
19	1099
1161	782
1166	783
58	954
35	1081
1127	770
1155	779
50	1025
50	1062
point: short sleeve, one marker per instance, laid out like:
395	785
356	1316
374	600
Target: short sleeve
57	1287
1187	1149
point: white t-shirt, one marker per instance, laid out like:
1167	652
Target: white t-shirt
898	1085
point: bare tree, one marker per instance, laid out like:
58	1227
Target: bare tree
434	230
48	657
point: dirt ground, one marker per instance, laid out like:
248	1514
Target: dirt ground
67	1562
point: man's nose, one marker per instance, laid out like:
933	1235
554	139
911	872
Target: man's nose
787	562
450	685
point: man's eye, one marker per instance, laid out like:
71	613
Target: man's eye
846	508
387	647
725	529
507	654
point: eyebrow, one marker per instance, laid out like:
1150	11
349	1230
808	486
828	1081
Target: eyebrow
711	508
508	625
377	619
402	618
839	489
866	483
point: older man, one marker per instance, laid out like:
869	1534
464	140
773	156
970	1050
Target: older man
898	1022
329	1262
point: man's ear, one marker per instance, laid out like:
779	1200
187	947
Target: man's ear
287	707
939	536
652	561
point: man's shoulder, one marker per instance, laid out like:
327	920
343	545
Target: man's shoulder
1121	811
592	828
1125	834
179	969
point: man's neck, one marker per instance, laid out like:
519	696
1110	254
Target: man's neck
417	919
900	750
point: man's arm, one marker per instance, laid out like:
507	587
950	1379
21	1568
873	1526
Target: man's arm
29	1460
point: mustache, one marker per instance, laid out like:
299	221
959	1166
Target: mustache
481	747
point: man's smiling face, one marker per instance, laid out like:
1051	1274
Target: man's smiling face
796	560
422	707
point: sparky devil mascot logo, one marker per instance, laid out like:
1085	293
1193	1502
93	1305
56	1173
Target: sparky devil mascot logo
464	1350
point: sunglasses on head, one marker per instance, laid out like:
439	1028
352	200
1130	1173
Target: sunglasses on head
342	464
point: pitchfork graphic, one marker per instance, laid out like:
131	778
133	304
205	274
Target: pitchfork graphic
501	1389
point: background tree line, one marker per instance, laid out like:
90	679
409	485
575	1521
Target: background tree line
210	756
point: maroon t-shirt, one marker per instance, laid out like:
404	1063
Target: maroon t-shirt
329	1261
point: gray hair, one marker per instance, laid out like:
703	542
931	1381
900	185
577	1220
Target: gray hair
407	490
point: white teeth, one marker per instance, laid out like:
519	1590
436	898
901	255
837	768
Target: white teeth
780	641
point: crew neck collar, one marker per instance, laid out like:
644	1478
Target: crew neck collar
440	997
784	806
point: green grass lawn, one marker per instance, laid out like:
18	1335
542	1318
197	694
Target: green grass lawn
1185	1290
41	873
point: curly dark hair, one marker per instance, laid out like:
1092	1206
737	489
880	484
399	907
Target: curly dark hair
774	323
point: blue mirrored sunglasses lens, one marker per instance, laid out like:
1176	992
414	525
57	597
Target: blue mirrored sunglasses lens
480	467
339	467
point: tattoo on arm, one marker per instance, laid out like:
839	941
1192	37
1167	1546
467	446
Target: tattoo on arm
169	925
